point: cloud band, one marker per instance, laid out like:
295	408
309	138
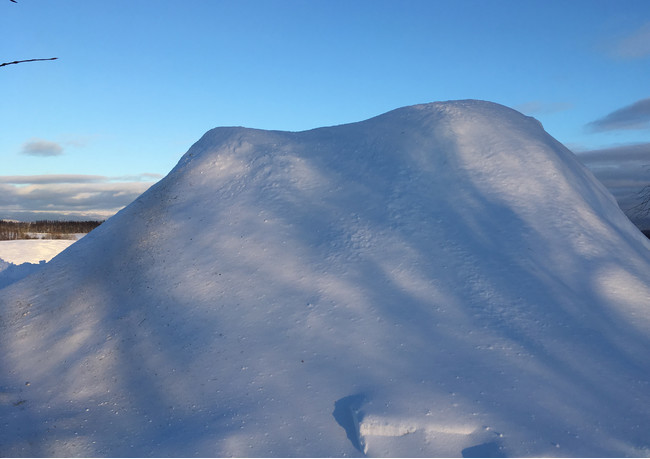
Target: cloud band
78	196
634	116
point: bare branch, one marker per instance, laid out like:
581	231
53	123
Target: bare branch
27	60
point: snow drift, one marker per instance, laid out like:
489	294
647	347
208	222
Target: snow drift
441	280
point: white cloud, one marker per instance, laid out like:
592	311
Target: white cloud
68	196
617	155
40	147
76	178
625	172
52	178
636	45
536	107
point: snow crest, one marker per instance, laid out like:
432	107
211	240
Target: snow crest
444	279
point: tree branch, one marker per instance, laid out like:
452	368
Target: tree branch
27	60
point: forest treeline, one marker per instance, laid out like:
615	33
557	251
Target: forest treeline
44	229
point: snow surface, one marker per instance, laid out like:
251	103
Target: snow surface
20	258
32	250
10	272
441	280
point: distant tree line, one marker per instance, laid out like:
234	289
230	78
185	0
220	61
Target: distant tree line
44	229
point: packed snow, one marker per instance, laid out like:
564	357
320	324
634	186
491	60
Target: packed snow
441	280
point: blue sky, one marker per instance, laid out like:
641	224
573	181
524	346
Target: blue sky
137	82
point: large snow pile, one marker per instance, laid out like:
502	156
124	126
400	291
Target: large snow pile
441	280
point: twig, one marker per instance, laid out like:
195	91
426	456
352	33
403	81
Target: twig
28	60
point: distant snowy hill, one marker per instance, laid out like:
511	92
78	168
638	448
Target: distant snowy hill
441	280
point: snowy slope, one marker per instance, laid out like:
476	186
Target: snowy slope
441	280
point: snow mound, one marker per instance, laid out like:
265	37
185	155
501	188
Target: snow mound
10	272
442	280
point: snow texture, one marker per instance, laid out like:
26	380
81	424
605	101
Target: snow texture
442	280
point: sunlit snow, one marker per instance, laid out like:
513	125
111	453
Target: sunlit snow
20	258
32	250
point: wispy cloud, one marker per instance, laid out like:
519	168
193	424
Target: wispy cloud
78	141
49	179
536	107
634	116
638	153
635	45
75	178
40	147
136	178
625	171
89	196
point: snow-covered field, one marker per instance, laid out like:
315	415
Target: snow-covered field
20	258
441	280
32	250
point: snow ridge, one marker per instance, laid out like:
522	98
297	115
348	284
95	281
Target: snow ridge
444	279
